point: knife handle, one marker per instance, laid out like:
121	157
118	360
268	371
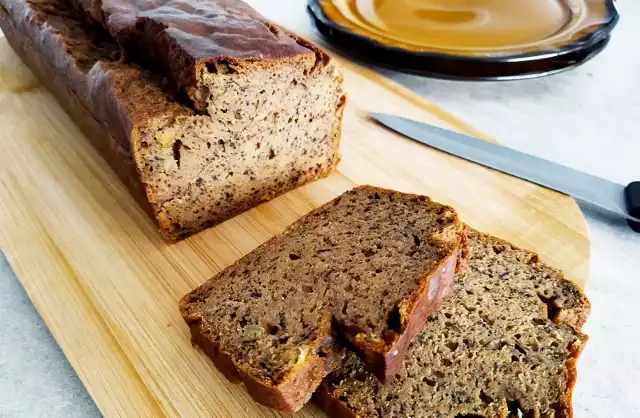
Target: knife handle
632	194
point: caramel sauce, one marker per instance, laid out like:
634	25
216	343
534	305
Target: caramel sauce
489	27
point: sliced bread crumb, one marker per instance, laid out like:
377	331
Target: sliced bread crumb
504	345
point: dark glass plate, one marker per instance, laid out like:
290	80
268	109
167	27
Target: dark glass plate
536	63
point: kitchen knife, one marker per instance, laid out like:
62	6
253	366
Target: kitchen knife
613	197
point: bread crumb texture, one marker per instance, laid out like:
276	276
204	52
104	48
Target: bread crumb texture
350	270
504	345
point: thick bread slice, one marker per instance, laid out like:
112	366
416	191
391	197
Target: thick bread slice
366	269
268	129
504	345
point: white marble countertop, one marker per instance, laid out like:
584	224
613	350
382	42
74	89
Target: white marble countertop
585	118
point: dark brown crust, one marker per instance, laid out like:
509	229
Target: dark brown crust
296	389
572	371
184	37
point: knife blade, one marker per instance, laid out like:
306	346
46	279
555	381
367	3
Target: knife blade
610	196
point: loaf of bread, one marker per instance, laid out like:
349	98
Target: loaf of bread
504	345
364	270
203	108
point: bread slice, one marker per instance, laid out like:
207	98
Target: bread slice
504	345
270	122
366	269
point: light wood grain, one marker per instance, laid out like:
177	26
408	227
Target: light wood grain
107	285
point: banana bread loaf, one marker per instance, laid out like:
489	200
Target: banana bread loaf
364	270
504	345
208	116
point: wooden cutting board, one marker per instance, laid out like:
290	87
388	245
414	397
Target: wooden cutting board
107	285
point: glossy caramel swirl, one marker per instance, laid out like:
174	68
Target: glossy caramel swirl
468	27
